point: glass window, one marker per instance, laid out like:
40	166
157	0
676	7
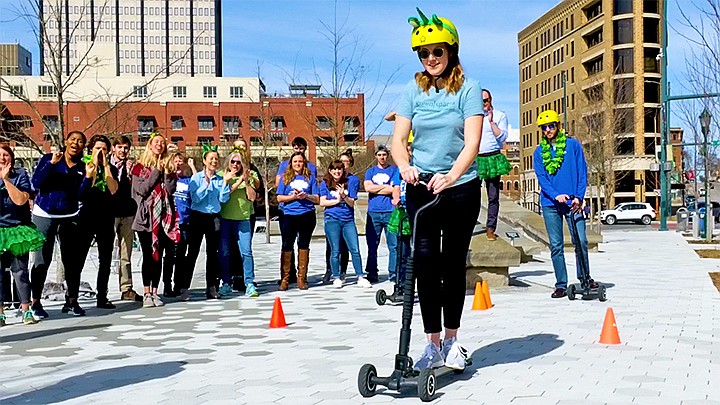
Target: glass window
140	91
177	123
652	64
206	123
624	91
622	6
624	120
255	123
179	91
623	30
652	120
231	125
651	30
651	6
623	60
209	91
652	92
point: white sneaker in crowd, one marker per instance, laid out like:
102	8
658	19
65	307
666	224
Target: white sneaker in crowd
363	282
337	283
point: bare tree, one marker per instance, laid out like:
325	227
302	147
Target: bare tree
62	77
349	74
606	130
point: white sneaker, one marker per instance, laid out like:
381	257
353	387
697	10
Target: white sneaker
430	358
337	283
363	282
455	355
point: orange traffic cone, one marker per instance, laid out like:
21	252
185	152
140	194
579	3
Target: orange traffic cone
479	302
609	335
277	320
486	293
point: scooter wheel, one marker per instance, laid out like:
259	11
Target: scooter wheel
571	292
381	297
602	293
366	386
426	385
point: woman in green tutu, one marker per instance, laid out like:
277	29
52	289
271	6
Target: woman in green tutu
18	236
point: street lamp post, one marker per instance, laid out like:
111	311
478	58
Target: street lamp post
705	118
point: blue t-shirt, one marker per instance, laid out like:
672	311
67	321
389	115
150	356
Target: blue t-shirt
438	123
378	175
342	211
284	166
182	200
299	183
397	181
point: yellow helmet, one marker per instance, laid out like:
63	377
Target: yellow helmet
547	117
411	137
434	30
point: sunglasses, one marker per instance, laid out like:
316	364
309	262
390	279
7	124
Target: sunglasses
547	127
437	52
486	100
236	162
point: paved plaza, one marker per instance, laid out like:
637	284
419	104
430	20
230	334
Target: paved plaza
528	349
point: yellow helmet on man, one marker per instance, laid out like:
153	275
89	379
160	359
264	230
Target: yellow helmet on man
434	30
548	117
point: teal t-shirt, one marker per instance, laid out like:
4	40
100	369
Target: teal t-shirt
438	123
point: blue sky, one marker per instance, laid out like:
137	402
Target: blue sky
284	37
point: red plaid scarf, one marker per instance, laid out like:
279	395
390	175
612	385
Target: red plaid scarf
162	214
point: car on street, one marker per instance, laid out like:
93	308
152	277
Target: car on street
638	212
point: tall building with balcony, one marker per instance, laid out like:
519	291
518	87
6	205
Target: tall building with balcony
133	37
596	62
15	60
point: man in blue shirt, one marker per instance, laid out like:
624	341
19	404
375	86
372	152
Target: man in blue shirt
561	172
299	144
378	184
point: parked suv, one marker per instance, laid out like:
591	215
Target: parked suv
639	212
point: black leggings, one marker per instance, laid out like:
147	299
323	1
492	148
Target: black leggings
151	268
102	228
207	226
298	227
67	232
440	262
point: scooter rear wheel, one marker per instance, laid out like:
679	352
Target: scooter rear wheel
380	297
602	293
427	384
571	292
366	386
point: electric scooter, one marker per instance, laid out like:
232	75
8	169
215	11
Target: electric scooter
397	295
584	288
404	376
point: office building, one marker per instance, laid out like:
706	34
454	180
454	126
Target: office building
15	60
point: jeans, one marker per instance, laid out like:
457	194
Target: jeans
298	227
236	233
375	223
554	224
442	239
493	192
335	230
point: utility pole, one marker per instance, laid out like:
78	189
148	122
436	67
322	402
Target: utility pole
664	123
705	118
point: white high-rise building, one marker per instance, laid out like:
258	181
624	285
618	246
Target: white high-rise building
134	37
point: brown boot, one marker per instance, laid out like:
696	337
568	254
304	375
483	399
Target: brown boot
490	233
303	259
285	270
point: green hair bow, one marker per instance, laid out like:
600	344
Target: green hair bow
207	148
236	149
